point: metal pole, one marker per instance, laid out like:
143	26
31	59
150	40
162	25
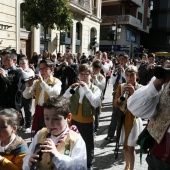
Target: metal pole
130	45
115	38
112	45
59	41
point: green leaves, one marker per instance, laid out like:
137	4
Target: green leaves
48	13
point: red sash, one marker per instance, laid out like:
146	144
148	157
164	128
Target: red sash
162	150
39	113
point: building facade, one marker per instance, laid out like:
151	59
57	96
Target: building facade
133	18
86	17
8	26
159	37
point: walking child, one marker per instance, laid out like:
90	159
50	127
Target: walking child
99	80
132	125
63	148
82	105
44	87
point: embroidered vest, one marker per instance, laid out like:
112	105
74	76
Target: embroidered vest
14	154
87	108
158	125
65	148
51	82
18	146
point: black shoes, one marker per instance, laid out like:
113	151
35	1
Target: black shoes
109	139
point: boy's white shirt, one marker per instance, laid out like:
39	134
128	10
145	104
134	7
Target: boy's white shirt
110	63
52	91
78	159
99	84
29	71
105	67
94	98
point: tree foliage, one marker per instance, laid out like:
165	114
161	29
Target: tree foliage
49	13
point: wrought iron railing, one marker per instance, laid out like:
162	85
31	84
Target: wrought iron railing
82	3
122	19
94	11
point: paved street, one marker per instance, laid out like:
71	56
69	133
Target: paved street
104	154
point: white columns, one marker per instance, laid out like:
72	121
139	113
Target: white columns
36	40
73	44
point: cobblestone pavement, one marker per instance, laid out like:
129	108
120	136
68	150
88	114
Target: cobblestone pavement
104	153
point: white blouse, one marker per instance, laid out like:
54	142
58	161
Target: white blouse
143	103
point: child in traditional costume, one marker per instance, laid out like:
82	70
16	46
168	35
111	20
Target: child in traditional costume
83	104
12	147
45	86
63	148
132	125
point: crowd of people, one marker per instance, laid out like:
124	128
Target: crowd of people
68	91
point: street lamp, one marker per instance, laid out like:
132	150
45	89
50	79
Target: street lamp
114	34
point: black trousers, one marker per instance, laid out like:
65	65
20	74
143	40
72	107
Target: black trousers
156	164
107	79
86	131
97	116
114	120
27	104
21	123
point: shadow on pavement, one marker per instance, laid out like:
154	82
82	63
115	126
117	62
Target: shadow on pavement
105	143
107	109
107	104
103	157
103	117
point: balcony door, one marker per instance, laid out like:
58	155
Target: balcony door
78	36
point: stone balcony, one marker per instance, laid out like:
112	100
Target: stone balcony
135	2
80	6
121	19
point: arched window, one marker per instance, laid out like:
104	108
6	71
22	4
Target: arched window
78	36
93	32
68	33
22	19
93	39
23	23
78	30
